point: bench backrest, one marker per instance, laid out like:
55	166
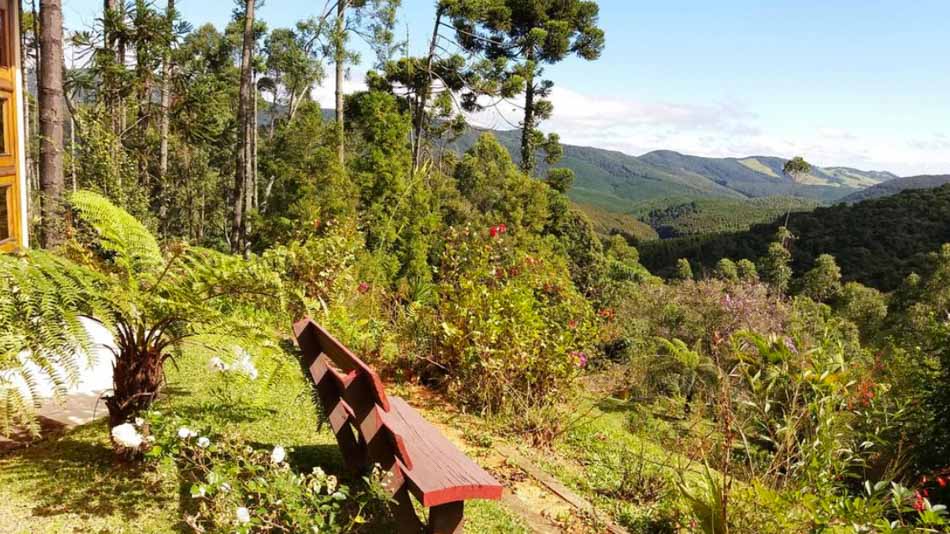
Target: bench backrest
353	399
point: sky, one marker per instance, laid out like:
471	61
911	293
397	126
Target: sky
858	83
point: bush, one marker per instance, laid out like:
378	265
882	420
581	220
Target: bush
235	487
510	330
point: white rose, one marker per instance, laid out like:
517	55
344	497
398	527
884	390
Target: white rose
127	436
243	515
278	455
203	442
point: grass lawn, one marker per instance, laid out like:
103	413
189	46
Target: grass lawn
72	484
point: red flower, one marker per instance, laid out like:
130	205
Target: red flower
493	231
502	228
942	482
572	324
363	288
919	504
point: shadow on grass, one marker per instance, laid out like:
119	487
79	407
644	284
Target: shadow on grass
75	474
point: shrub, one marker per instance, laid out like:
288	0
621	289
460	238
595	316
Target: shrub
236	487
510	329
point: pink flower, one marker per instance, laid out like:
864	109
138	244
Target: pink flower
581	359
363	288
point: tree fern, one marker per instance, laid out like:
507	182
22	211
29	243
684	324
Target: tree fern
118	232
150	302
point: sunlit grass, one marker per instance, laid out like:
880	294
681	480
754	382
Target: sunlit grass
72	483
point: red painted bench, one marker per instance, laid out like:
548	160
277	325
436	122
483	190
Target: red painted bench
373	428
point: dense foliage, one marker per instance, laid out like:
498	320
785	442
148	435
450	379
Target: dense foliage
813	401
877	242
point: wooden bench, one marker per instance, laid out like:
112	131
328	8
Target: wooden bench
372	428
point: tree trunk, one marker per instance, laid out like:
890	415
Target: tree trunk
242	168
163	126
527	129
253	201
423	98
51	122
340	60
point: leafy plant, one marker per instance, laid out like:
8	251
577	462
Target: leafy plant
152	302
235	487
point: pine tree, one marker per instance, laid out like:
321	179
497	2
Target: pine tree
530	34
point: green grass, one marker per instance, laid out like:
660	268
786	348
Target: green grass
628	475
72	484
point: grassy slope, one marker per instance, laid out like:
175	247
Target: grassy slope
71	484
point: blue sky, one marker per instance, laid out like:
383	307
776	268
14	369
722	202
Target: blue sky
857	83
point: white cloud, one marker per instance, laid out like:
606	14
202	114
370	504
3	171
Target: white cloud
723	129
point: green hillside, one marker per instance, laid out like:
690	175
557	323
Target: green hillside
612	222
876	242
614	180
673	219
893	187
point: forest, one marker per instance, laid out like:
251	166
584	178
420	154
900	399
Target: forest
189	195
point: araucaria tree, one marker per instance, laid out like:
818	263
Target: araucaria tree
528	35
371	19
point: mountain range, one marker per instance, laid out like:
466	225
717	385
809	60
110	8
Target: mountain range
892	187
619	181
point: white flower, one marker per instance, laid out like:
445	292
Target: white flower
244	365
331	484
243	515
318	472
225	487
203	442
217	364
139	421
278	455
126	436
185	433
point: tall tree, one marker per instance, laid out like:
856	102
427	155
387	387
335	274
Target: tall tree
371	19
164	119
52	112
245	158
530	34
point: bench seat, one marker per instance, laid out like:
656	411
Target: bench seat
373	428
440	473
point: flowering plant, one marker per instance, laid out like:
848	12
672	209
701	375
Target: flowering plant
235	487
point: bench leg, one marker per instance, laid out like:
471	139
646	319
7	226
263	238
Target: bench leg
406	519
447	518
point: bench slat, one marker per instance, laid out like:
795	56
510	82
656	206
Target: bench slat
440	473
313	340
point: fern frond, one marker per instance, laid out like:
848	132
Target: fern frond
42	339
120	233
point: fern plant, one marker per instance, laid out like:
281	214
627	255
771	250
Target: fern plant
152	301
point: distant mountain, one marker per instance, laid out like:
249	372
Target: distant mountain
877	242
893	187
617	181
